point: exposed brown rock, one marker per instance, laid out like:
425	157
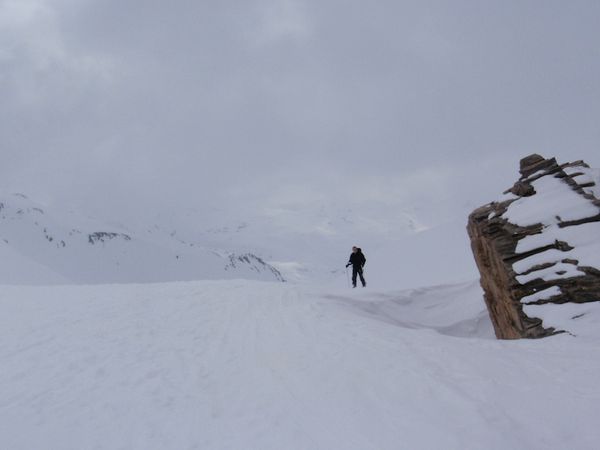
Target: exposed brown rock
494	243
522	189
533	163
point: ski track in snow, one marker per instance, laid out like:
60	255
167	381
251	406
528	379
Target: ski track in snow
251	365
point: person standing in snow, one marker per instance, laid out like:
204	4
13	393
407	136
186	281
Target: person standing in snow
357	261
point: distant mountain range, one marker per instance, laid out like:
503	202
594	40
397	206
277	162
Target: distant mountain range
38	246
306	242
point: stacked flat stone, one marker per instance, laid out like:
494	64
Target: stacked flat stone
519	266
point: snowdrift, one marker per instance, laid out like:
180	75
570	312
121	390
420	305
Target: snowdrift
260	365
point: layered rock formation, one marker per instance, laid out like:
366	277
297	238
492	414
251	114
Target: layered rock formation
538	249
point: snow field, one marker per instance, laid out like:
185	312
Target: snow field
257	365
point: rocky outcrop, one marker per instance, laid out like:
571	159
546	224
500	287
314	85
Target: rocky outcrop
255	264
103	236
539	245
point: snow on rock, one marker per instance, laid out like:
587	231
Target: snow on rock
544	294
554	202
587	178
540	247
580	319
583	240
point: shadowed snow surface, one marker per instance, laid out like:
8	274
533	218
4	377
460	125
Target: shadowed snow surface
257	365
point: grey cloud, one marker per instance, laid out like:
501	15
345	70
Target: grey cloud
193	101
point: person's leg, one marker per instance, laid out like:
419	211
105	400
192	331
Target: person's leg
354	273
362	279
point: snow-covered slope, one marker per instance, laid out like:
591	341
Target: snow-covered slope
40	247
312	243
43	245
304	242
18	269
250	365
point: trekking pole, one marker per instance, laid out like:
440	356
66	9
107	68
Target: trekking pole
347	276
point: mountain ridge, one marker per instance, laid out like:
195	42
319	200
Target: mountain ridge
44	248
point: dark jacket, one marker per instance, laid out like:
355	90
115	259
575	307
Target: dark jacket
357	259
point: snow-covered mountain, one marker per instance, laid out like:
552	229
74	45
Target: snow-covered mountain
404	245
42	245
305	242
38	246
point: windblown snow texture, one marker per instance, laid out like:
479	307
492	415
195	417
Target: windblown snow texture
240	364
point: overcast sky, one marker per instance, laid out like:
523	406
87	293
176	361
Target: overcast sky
106	102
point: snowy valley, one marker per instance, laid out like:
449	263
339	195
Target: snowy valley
38	246
182	185
192	351
43	244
